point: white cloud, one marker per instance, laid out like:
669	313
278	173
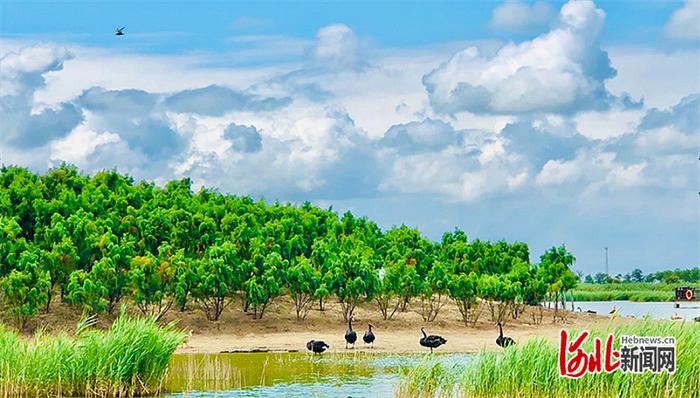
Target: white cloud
607	124
80	144
26	123
592	170
562	71
659	76
516	16
337	45
685	21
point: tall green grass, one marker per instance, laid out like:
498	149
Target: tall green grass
637	291
531	370
128	359
621	295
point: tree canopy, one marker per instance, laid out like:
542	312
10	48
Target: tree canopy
99	240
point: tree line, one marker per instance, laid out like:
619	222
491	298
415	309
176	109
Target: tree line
102	240
689	275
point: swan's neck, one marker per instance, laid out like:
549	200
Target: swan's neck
370	328
423	331
350	324
500	328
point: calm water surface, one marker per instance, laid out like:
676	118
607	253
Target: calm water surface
264	375
657	310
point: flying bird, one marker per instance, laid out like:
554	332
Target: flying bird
119	31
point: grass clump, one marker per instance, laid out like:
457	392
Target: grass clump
128	359
531	370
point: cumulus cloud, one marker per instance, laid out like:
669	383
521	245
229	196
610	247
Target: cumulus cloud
663	135
659	153
516	16
425	136
337	45
541	140
303	153
243	138
217	100
562	71
135	116
685	21
431	157
25	123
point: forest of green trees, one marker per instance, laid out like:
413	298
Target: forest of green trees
104	240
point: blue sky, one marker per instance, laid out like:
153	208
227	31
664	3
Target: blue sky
207	25
545	122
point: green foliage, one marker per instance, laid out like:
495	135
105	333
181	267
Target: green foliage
86	290
353	277
99	289
26	289
434	291
105	238
463	289
151	283
303	281
263	287
215	280
405	253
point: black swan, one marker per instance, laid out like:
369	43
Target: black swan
368	338
350	335
503	341
431	341
317	346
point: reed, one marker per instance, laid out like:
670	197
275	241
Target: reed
530	370
632	291
128	359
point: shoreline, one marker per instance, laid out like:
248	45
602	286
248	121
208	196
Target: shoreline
397	336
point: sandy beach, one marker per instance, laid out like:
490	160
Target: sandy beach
279	331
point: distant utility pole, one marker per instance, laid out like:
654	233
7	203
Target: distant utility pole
607	271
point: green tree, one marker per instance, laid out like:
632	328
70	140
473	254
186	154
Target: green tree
434	293
90	294
637	275
555	266
151	283
302	282
353	278
398	283
26	288
462	288
217	276
262	289
104	283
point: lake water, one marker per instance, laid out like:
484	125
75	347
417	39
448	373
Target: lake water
657	310
263	375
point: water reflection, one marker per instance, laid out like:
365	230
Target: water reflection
265	375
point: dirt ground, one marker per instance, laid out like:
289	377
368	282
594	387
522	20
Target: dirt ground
279	330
